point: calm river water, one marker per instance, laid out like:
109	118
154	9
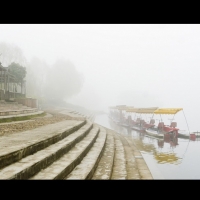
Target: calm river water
166	161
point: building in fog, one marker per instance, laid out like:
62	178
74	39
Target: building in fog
9	86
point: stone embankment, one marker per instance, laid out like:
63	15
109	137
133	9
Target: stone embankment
67	145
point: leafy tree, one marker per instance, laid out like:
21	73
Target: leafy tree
18	71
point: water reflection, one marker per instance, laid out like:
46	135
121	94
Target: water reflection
151	145
163	158
174	158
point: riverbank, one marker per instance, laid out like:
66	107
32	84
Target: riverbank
66	144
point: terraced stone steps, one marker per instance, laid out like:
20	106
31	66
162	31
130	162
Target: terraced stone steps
119	166
131	165
7	112
63	166
16	146
142	167
18	116
71	149
105	166
32	164
91	117
86	168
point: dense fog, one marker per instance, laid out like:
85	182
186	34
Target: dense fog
102	65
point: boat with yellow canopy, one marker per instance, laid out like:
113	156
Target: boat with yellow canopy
161	128
140	124
119	115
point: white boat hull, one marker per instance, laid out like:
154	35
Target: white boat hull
155	134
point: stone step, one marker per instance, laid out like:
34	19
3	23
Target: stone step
16	146
119	166
32	164
63	166
142	167
91	118
73	115
13	111
131	164
87	167
105	166
15	116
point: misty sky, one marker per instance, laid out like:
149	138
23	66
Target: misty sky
140	65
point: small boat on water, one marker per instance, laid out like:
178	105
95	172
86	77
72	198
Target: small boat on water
140	124
161	129
114	115
150	128
192	136
173	141
119	115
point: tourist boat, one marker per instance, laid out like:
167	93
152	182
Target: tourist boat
168	138
114	115
149	127
117	114
171	130
140	124
161	129
185	134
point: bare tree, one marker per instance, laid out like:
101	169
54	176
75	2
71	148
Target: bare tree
11	53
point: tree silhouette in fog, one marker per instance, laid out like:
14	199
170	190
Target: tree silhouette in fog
49	83
62	81
18	71
11	53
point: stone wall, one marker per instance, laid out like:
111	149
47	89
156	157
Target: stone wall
30	102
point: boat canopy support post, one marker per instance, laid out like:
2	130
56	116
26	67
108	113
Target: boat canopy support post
134	116
161	118
172	118
146	117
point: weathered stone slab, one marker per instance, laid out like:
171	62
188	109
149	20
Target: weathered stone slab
63	166
86	168
119	166
21	115
41	159
104	168
16	146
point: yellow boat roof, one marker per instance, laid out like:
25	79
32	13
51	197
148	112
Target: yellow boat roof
121	107
142	110
131	109
167	110
147	110
150	110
